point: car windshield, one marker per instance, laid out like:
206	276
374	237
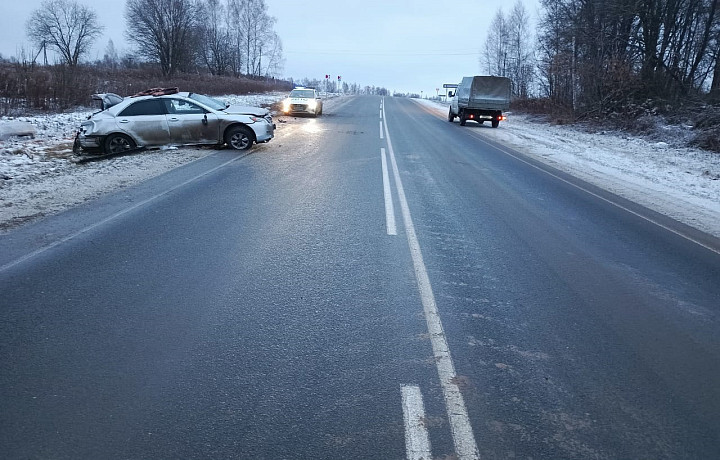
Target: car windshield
208	101
302	93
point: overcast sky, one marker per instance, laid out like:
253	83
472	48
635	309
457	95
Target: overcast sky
407	46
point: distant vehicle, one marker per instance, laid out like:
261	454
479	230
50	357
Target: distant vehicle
303	100
180	118
480	98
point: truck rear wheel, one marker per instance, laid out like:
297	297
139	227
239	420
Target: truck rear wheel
451	117
495	123
462	118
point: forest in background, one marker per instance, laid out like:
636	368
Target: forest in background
211	46
622	62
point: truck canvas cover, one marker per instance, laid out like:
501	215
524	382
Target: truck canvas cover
485	92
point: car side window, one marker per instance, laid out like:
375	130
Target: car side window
146	107
181	107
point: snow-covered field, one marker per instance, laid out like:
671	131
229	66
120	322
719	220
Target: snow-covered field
37	176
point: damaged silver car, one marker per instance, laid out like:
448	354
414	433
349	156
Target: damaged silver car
172	118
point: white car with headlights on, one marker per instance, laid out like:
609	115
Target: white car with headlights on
303	100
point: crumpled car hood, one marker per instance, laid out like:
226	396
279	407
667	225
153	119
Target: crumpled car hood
246	110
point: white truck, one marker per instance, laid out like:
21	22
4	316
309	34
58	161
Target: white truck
480	98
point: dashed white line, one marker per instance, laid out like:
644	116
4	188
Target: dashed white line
389	207
462	433
417	442
382	136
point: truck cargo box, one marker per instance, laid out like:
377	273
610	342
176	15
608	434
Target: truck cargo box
484	92
481	99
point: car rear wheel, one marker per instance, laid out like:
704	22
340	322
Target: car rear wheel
495	123
239	137
117	143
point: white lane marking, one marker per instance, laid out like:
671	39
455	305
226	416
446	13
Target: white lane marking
389	207
112	217
462	433
381	131
417	442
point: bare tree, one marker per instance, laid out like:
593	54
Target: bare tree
508	49
495	53
521	57
215	44
65	26
164	31
715	84
110	58
235	28
257	49
598	55
257	30
273	57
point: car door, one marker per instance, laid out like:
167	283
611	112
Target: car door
145	121
190	123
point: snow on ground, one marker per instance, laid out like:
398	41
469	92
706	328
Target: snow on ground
37	176
680	182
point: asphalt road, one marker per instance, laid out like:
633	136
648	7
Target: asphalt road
376	283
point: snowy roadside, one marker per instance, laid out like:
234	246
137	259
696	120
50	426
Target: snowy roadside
680	182
38	178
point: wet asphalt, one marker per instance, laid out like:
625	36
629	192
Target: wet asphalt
254	307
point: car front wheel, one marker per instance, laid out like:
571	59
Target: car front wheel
239	137
117	143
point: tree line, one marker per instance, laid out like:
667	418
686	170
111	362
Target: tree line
223	37
173	41
597	56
